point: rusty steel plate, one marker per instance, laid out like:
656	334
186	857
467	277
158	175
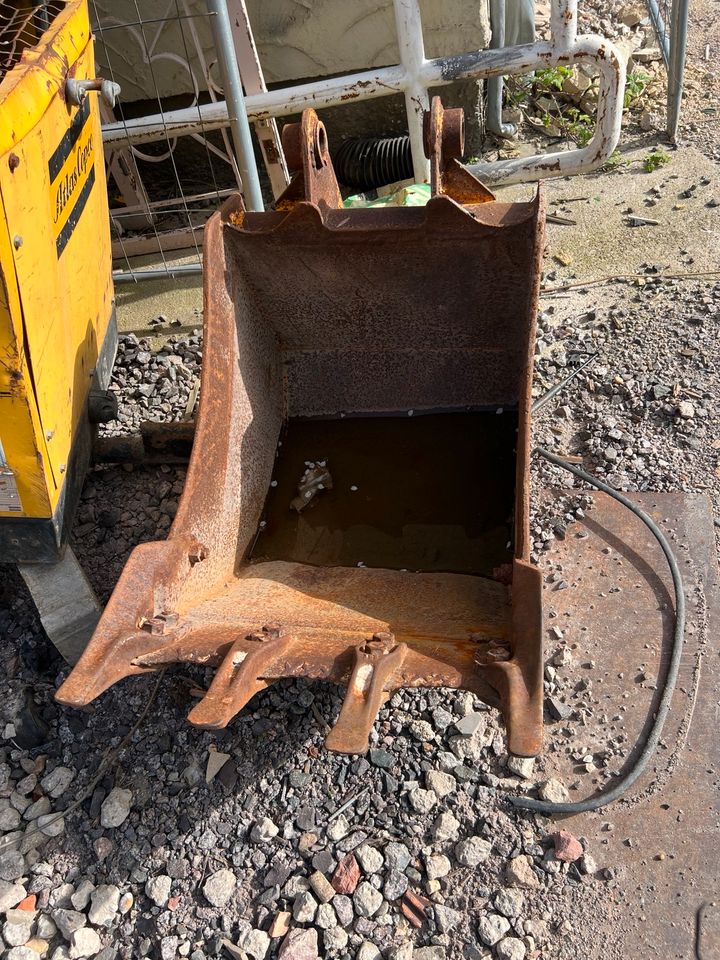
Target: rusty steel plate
662	840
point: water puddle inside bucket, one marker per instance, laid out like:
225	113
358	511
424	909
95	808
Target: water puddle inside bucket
432	493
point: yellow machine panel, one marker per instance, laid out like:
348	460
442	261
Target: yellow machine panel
57	334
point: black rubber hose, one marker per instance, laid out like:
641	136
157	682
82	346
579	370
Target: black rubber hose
364	163
614	793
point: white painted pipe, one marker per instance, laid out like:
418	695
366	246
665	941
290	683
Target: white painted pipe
413	78
408	25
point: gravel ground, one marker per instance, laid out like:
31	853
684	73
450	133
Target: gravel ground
178	842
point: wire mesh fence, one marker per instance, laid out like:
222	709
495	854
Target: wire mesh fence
161	193
670	23
21	26
172	150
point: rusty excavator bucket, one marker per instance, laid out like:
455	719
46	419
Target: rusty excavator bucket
356	505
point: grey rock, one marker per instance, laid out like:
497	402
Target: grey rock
219	887
396	883
12	865
366	899
18	927
46	928
68	921
324	861
57	781
471	724
335	939
61	896
510	948
397	855
402	952
554	791
521	766
344	909
339	828
491	928
446	918
437	866
382	758
9	819
177	868
263	831
21	953
558	709
440	783
115	807
27	784
447	761
422	801
51	825
422	730
10	895
430	953
509	902
104	904
84	943
255	943
442	718
445	827
325	918
369	858
169	947
305	818
305	907
81	897
473	851
298	779
368	951
158	889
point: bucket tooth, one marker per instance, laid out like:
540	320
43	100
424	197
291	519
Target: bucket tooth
240	677
375	662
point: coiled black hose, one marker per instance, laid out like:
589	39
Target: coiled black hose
364	163
614	793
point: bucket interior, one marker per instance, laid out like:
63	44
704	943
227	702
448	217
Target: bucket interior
429	492
396	349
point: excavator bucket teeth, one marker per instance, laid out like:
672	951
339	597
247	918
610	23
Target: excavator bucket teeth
359	478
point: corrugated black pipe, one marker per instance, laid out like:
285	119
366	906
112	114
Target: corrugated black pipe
365	163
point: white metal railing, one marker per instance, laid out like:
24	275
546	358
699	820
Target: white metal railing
413	76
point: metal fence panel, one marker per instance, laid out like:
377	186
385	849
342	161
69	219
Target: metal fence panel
670	22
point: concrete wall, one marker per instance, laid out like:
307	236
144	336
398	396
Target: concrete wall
296	39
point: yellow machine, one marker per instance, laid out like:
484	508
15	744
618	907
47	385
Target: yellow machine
57	329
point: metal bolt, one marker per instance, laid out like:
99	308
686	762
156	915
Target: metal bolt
13	162
62	467
50	434
17	241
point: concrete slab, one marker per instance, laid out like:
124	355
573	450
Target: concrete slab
176	299
603	243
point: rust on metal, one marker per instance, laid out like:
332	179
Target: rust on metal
314	311
414	908
444	141
376	661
